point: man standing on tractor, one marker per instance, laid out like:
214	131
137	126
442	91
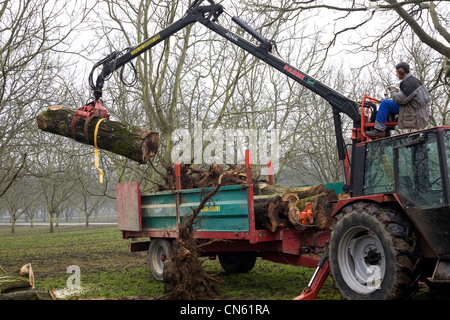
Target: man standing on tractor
410	102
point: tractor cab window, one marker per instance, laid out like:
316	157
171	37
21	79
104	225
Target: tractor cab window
379	174
419	170
447	149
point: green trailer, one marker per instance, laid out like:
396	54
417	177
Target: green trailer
153	220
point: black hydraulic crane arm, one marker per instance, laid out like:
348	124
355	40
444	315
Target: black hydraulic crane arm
208	16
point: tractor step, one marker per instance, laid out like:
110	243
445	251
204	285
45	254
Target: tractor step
441	273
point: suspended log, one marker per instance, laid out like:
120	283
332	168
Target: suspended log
129	141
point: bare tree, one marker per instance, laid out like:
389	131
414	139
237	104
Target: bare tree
33	34
52	168
193	77
14	206
380	23
18	202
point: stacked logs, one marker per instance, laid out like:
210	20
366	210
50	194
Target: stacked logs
281	207
276	206
21	286
193	177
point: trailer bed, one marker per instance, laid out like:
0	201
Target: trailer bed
228	215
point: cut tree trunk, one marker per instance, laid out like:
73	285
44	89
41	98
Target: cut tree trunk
293	212
21	287
302	192
275	206
11	282
129	141
31	294
270	212
28	270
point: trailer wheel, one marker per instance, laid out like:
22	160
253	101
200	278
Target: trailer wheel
158	251
372	253
237	262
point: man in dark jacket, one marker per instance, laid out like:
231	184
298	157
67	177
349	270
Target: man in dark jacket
410	102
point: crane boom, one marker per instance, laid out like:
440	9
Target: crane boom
208	16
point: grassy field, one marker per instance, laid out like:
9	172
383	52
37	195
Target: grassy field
109	270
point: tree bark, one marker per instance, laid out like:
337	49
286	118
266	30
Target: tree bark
21	287
11	282
293	213
129	141
270	212
27	295
302	192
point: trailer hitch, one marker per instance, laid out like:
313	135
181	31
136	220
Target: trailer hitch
311	291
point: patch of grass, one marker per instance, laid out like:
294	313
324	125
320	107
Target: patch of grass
109	270
102	255
268	281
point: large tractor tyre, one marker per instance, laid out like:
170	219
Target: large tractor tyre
372	253
158	251
237	262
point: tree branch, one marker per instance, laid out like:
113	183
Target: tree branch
437	25
423	36
301	6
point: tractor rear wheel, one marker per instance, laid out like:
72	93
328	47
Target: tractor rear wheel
372	253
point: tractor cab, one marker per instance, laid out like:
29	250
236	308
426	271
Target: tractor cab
395	228
413	165
413	168
411	172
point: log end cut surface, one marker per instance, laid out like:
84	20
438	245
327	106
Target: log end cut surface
149	145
